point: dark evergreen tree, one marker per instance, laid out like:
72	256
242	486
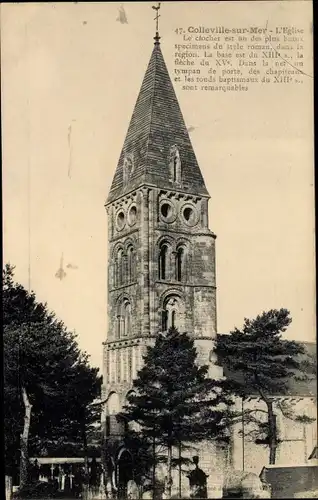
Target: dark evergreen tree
174	401
259	361
48	383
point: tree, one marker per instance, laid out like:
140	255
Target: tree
49	384
84	411
173	400
259	361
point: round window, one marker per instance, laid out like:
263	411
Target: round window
120	220
132	215
167	211
190	215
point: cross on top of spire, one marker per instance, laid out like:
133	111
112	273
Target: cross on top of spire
157	8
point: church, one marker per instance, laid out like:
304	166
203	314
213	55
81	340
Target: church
161	268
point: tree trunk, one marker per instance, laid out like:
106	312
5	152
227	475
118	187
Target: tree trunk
24	438
169	472
154	467
271	420
272	433
85	488
85	453
105	475
105	472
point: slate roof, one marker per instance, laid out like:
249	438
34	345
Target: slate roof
297	388
156	125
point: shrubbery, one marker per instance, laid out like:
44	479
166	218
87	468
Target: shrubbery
39	489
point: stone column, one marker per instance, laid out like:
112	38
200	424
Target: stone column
133	361
110	211
214	300
129	362
8	480
152	268
122	364
144	270
125	364
106	366
112	365
205	212
140	354
118	374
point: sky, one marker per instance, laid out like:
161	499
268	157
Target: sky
71	73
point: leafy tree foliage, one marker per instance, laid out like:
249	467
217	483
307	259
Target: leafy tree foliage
259	361
49	386
173	399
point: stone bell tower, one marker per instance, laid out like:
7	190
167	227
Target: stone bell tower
161	268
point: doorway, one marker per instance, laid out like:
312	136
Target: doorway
124	472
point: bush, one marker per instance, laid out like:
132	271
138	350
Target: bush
39	489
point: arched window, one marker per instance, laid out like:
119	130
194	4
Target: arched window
173	318
164	325
128	168
131	264
123	323
180	264
172	314
174	175
113	408
164	262
120	266
118	326
175	164
127	318
113	404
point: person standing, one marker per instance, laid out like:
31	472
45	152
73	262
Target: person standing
198	481
35	471
78	482
67	479
56	472
93	475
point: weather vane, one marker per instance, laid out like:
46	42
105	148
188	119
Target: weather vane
156	8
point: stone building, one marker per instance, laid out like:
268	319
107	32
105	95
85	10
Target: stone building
297	439
161	268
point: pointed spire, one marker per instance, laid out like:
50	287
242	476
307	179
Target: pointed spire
156	132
